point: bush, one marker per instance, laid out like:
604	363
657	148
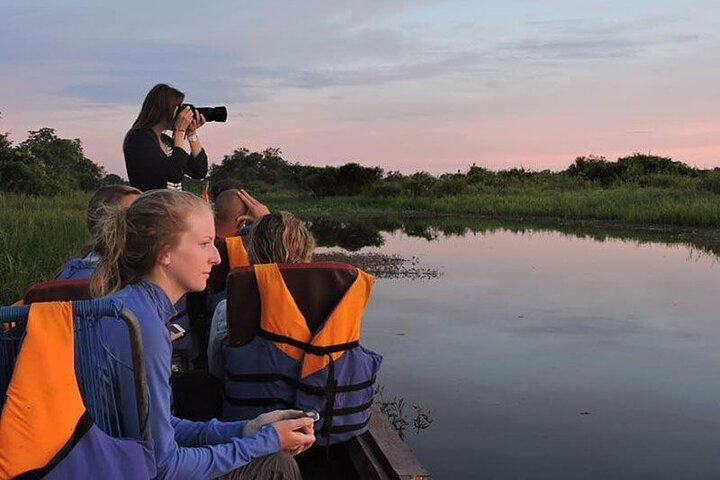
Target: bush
666	180
419	184
638	165
710	182
595	169
449	185
23	174
479	175
387	189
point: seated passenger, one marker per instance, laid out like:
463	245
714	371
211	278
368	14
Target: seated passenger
225	184
277	238
154	253
293	338
233	209
230	212
84	266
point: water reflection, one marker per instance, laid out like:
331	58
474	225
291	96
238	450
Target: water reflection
368	232
552	352
349	236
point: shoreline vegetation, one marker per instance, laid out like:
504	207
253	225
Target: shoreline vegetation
38	234
45	183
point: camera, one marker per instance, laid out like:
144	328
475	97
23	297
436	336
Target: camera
211	114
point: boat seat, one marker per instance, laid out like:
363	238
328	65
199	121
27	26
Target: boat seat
58	290
77	425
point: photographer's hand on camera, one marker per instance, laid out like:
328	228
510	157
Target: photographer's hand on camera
191	134
183	120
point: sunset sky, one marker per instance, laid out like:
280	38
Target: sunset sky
406	85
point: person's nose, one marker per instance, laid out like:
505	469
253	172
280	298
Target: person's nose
215	258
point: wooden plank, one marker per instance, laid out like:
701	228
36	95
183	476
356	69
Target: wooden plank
380	454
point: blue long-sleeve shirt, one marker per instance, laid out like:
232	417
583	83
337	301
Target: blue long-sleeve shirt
80	267
183	449
83	268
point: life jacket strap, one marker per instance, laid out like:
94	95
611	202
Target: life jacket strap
330	389
296	384
307	347
338	412
258	401
349	428
275	401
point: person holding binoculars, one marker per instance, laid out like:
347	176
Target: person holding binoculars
155	160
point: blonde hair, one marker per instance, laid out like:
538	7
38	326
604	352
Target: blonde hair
129	241
103	197
280	238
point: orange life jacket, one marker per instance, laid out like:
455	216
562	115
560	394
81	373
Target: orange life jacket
237	255
327	370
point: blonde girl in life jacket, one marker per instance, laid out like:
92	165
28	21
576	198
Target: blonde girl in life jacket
153	253
277	237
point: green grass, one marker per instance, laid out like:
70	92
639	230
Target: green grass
645	206
37	235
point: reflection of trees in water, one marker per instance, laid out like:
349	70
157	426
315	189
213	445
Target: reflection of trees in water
349	236
367	232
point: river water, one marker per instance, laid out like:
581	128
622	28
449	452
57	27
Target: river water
550	355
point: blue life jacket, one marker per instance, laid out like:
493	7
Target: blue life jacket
287	366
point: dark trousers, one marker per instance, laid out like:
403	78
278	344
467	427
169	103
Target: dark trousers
280	466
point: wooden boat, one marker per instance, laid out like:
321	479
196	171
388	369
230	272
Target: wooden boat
378	454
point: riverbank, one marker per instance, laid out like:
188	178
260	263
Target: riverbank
38	234
649	206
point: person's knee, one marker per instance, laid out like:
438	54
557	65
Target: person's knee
282	465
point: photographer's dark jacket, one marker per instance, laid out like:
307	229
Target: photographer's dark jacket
149	167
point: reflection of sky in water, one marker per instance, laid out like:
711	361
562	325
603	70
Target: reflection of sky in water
525	332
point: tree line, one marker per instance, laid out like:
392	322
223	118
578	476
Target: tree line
268	171
44	164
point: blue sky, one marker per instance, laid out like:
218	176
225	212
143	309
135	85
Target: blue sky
404	85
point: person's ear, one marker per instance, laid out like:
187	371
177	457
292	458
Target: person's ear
164	257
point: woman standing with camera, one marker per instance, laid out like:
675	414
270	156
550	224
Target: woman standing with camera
155	160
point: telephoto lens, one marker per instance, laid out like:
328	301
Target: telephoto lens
214	114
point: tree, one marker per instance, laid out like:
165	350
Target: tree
63	159
45	164
354	179
112	179
266	168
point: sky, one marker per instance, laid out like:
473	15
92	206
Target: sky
404	85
